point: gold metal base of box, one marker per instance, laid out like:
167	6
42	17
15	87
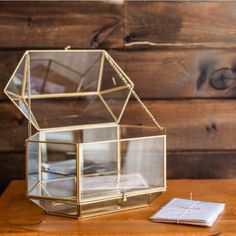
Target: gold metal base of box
83	211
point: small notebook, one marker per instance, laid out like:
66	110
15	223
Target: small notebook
183	211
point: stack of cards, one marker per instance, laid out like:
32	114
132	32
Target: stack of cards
183	211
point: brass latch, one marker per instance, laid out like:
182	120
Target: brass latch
68	47
124	197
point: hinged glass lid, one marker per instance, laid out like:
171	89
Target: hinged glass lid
65	88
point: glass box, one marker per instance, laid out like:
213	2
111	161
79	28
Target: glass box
97	149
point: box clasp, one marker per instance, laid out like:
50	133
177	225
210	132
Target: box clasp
124	197
68	47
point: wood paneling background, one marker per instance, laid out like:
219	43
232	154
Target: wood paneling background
183	22
181	56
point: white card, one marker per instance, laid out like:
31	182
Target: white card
185	211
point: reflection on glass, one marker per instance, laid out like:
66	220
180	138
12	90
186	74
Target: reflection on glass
123	170
55	72
15	85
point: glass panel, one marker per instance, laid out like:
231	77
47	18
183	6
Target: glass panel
21	104
135	114
61	112
114	205
86	135
32	165
116	100
55	207
57	170
153	196
16	82
99	134
36	136
136	131
63	209
143	158
64	72
99	170
42	203
111	80
115	168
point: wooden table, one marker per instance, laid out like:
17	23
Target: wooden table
21	217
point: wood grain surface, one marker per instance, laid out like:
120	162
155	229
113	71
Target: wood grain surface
201	164
12	167
82	24
191	125
180	22
177	74
20	217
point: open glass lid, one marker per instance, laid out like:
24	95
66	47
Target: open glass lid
66	88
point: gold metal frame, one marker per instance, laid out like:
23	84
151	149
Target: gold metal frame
77	201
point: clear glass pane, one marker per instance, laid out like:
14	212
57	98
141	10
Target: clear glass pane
137	131
63	209
15	85
57	171
143	161
115	168
42	203
86	135
58	208
64	72
99	167
136	114
114	205
33	171
61	112
116	101
23	106
111	80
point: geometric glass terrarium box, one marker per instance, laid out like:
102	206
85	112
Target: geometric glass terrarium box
97	148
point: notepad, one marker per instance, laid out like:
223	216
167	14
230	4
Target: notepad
183	211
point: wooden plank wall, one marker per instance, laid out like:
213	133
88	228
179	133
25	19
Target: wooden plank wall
181	56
